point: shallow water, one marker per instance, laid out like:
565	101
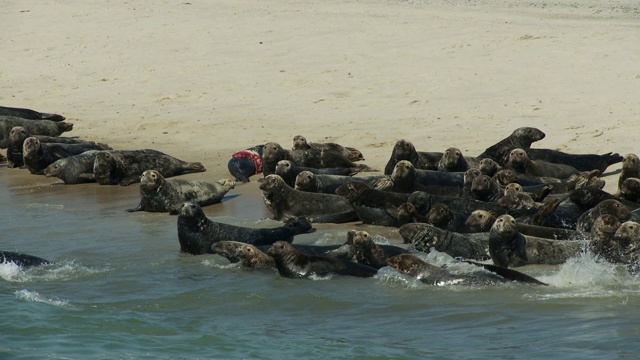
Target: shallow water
119	288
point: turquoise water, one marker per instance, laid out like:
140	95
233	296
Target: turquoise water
119	289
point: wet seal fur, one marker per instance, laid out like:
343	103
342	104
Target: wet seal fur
197	233
167	195
126	167
293	263
22	260
507	246
371	254
283	201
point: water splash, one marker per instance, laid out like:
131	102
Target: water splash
27	295
62	271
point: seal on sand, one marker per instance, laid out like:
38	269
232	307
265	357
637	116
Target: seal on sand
38	155
293	263
630	168
246	163
452	160
507	246
404	150
125	167
630	190
520	138
328	184
167	195
29	114
35	127
520	162
196	233
283	201
289	171
300	142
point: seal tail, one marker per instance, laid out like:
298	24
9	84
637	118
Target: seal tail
195	167
64	126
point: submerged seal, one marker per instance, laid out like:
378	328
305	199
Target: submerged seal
248	255
125	167
293	263
167	195
196	233
371	254
246	163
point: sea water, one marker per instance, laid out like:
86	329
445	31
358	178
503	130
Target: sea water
119	288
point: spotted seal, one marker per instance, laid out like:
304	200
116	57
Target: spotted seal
293	263
35	127
38	155
328	184
484	188
246	163
283	202
353	154
609	207
248	255
196	232
126	167
371	254
404	150
601	238
289	171
158	194
453	160
519	161
507	246
489	167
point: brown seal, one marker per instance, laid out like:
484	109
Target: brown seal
485	189
453	160
630	168
407	213
158	194
480	221
609	207
284	202
520	138
353	154
520	162
507	246
442	217
38	155
125	167
314	158
601	239
630	190
404	150
369	253
293	263
489	167
246	254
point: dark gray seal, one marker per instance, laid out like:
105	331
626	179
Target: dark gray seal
167	195
406	178
371	254
246	163
283	201
507	246
293	263
630	168
453	160
372	206
404	150
609	207
289	171
35	127
520	138
520	162
125	167
484	188
489	167
314	158
328	184
22	260
38	155
601	238
582	162
196	233
29	114
630	190
353	154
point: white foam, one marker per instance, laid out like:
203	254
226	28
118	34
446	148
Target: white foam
27	295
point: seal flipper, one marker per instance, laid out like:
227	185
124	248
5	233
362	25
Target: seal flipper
140	207
508	274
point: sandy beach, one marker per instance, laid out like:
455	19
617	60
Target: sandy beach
202	79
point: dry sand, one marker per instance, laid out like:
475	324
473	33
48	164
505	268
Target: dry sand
202	79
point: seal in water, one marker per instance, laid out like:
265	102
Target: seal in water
273	152
248	255
167	195
283	201
35	127
246	163
507	246
293	263
404	150
37	155
601	239
126	167
196	233
520	162
22	260
371	254
29	114
353	154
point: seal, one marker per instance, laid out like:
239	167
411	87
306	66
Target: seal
196	232
372	206
273	152
29	114
521	138
19	134
125	168
246	163
404	150
484	188
371	254
35	127
406	178
520	162
507	247
628	239
284	202
609	207
289	171
452	160
601	239
480	221
293	263
158	194
630	168
489	167
328	184
37	155
248	255
589	196
630	190
22	260
353	154
442	217
582	162
407	213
